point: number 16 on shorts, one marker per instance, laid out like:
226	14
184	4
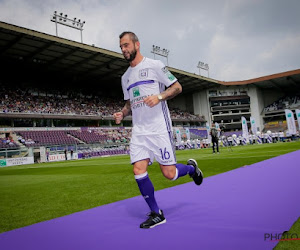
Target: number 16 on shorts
165	155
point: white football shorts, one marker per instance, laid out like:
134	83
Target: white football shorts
158	147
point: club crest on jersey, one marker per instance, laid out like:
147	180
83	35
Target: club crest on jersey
143	73
136	92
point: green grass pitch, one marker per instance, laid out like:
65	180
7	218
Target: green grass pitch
39	192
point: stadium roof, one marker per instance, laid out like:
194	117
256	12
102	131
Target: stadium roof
55	54
74	58
280	81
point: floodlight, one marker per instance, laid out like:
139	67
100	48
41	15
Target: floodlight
64	20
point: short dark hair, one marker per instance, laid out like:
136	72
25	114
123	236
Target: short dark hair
133	36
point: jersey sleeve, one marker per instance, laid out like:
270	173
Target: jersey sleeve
164	75
125	91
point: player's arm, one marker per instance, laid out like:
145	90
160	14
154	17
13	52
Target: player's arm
119	116
174	90
168	94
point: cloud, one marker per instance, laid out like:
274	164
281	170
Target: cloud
239	39
282	54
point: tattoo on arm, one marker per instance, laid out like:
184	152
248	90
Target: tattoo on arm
172	91
126	110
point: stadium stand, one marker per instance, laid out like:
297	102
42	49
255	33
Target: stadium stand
100	151
89	137
71	137
42	138
31	101
77	85
288	102
176	113
6	143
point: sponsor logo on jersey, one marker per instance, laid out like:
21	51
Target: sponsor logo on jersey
138	102
136	92
143	73
170	76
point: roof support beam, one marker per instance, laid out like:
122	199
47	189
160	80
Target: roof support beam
38	51
293	82
92	57
106	64
11	43
63	56
276	85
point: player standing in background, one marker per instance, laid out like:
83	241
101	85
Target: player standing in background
214	138
144	91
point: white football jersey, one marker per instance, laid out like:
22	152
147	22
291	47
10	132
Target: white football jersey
149	77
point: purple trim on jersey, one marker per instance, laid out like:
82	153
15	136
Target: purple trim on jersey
139	83
165	110
167	120
172	143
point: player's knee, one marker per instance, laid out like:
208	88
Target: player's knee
169	174
138	170
140	167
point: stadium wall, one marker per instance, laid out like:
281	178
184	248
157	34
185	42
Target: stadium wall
201	105
183	102
256	106
189	103
201	101
179	102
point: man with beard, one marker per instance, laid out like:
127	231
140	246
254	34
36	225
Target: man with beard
144	91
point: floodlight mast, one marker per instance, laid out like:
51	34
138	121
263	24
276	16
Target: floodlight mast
64	20
156	50
202	65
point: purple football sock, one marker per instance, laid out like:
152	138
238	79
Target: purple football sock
183	170
147	190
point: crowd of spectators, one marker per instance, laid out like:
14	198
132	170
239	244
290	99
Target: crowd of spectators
115	135
100	151
8	142
36	102
284	103
176	113
20	101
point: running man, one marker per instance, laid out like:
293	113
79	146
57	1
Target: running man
144	91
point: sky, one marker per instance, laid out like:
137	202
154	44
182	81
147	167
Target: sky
238	39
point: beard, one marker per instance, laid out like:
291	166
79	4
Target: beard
131	57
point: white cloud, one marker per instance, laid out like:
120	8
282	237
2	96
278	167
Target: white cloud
239	39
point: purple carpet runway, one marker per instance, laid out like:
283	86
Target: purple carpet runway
233	210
